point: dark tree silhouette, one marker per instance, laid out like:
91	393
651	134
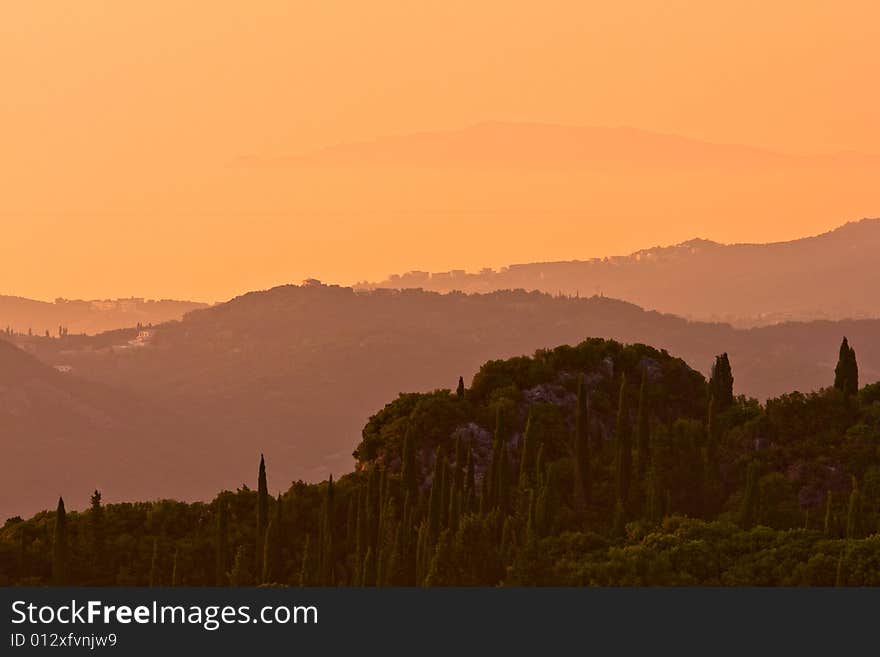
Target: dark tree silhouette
846	374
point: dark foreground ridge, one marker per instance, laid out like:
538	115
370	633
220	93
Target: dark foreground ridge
600	464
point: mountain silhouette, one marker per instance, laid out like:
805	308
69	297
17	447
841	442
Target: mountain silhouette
829	276
542	146
96	316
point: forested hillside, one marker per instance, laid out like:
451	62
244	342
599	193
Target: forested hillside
295	372
599	464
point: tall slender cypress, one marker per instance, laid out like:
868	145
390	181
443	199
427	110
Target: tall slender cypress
174	572
97	535
583	476
623	449
408	466
262	514
435	501
361	532
328	530
470	484
491	488
502	485
749	505
721	383
154	565
643	433
829	514
445	493
272	547
60	554
527	456
458	471
853	512
307	569
846	374
221	544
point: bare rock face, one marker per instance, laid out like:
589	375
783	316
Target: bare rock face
652	369
479	441
549	393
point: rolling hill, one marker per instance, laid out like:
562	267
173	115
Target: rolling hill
295	371
22	315
829	276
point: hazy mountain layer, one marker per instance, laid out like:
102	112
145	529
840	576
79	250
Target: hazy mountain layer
830	276
22	315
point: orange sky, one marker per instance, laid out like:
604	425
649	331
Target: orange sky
120	126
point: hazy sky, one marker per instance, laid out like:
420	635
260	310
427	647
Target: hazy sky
120	126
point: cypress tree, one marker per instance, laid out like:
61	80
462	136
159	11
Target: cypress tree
711	428
527	456
327	549
154	565
386	540
829	514
307	569
620	425
382	502
351	517
240	575
96	529
839	578
853	512
422	553
361	541
221	544
539	467
454	511
374	485
618	521
406	557
368	577
721	382
846	374
272	547
749	506
445	494
582	479
531	526
458	471
174	568
59	546
435	501
408	466
491	488
502	494
395	572
653	503
643	433
508	541
713	491
624	450
470	484
262	513
459	392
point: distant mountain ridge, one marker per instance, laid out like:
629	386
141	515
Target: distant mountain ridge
22	315
829	276
546	146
